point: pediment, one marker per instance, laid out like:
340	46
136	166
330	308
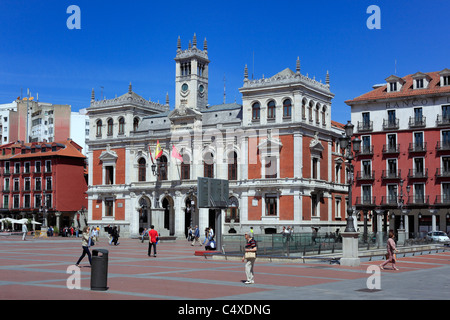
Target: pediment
184	112
270	144
108	155
394	78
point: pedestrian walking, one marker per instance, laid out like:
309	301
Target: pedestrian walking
391	249
115	236
153	238
24	230
85	245
249	258
196	236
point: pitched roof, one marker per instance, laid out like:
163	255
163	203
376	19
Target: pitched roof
434	87
67	148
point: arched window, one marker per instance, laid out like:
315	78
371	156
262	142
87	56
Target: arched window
142	170
135	123
208	165
162	168
304	109
271	110
317	113
98	126
110	127
232	166
324	112
256	107
287	108
121	125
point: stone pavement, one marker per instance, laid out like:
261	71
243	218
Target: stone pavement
37	269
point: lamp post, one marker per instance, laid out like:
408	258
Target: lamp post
43	209
401	202
350	255
346	144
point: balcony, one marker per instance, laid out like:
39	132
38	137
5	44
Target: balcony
442	173
391	124
443	200
366	151
417	122
418	200
365	126
362	175
391	175
391	148
443	146
417	147
442	120
417	174
365	202
389	201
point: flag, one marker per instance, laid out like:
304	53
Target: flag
150	151
175	154
158	151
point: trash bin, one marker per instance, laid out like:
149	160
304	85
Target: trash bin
99	270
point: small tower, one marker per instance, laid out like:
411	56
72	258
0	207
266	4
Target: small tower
191	76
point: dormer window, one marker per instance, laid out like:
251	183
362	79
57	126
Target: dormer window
393	86
445	77
420	80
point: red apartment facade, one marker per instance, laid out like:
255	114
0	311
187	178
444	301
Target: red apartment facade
402	174
43	176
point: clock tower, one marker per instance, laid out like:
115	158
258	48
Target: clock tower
191	76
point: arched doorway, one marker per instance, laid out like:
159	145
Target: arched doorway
169	215
144	213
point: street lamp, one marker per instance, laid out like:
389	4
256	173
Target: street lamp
155	167
43	209
346	144
401	202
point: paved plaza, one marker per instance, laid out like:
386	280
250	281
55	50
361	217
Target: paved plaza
37	269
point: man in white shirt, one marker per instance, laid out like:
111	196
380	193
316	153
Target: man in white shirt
24	230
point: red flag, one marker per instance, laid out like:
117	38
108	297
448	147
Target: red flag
175	154
150	151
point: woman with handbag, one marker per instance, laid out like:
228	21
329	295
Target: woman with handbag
85	240
249	257
391	249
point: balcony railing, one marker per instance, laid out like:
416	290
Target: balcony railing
442	120
387	174
442	200
391	124
365	126
366	150
365	201
417	174
442	145
361	175
389	201
391	148
417	147
442	173
418	200
417	122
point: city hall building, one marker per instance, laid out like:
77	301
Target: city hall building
278	150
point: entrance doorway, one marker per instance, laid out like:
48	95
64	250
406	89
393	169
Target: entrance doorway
144	214
169	215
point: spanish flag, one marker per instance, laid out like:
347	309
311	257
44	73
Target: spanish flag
158	151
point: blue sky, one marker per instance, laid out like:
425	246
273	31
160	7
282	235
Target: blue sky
135	41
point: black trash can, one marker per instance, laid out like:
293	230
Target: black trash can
99	270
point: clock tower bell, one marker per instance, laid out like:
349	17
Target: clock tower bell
191	83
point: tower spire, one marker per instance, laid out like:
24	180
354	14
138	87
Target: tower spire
327	80
194	41
245	73
205	45
92	95
179	43
130	88
167	99
298	65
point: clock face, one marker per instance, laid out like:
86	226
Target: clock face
201	88
184	87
